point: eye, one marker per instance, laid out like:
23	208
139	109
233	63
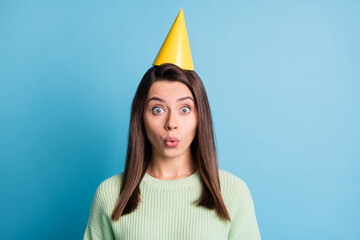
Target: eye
187	109
157	110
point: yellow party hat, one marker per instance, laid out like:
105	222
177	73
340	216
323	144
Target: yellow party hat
176	47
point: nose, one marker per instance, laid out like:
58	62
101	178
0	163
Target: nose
171	122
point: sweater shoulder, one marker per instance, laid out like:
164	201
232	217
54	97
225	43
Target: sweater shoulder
229	180
109	188
112	180
234	189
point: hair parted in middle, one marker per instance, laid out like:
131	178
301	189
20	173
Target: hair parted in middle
139	148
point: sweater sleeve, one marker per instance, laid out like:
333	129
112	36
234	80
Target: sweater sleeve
244	225
99	224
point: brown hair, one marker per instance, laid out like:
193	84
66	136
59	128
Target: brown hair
139	147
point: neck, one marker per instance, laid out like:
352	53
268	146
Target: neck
166	168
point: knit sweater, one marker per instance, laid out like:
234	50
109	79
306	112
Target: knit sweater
165	211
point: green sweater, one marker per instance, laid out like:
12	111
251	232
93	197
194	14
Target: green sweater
166	212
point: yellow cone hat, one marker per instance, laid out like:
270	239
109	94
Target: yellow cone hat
176	47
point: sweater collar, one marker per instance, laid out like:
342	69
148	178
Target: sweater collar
191	180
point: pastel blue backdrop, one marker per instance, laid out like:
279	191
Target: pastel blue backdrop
282	78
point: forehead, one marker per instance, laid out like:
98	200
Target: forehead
165	88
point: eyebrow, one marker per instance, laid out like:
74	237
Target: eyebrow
178	100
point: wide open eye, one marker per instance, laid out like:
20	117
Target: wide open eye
185	109
157	110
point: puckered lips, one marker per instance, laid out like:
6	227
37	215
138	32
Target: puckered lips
171	141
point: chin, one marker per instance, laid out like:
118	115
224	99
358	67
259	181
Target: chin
172	155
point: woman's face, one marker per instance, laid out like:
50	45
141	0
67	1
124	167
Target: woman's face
170	111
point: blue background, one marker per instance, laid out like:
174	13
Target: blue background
282	79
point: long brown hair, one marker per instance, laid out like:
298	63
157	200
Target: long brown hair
139	150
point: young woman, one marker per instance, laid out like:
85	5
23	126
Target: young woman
171	187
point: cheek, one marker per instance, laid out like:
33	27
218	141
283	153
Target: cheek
193	121
152	127
191	127
147	125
